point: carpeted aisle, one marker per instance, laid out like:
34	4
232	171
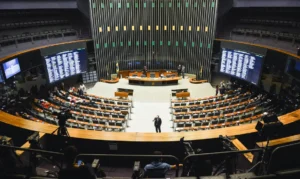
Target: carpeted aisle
150	101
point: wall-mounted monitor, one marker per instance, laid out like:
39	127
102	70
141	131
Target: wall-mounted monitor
11	68
66	64
242	65
1	76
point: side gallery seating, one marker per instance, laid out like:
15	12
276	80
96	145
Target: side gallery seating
216	112
105	114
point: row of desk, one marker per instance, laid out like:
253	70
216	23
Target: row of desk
142	137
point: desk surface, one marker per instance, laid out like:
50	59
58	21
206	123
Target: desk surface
141	137
280	141
153	79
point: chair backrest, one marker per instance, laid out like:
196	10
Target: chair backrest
155	173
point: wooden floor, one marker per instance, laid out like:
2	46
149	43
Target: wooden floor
142	137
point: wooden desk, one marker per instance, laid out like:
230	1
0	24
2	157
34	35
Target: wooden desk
194	81
183	95
157	73
280	141
121	94
153	81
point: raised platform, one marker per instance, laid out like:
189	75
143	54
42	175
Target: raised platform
153	81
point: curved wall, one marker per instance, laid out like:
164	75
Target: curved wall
157	34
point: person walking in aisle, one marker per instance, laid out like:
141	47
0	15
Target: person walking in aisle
217	90
182	71
157	124
178	70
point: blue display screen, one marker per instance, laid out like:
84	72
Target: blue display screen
11	67
240	64
66	64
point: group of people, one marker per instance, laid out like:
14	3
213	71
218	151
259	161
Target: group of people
181	70
223	87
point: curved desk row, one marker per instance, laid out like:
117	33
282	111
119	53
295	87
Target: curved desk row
141	137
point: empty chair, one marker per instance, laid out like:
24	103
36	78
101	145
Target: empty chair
197	123
193	109
210	114
177	104
122	116
221	122
119	103
86	120
184	110
216	113
183	104
109	108
204	102
207	107
191	103
80	118
214	123
202	115
199	108
177	110
99	114
115	116
194	116
91	112
106	114
111	102
236	118
117	109
197	102
85	111
179	117
180	124
106	101
186	117
188	124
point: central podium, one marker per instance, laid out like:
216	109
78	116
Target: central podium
153	81
152	78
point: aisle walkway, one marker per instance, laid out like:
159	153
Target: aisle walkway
150	101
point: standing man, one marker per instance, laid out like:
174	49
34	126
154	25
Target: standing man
179	70
157	124
182	71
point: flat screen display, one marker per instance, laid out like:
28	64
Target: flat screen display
240	64
11	68
66	64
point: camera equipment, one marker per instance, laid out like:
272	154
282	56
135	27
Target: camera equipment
62	117
267	128
34	141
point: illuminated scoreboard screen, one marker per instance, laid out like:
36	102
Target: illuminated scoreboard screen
66	64
240	64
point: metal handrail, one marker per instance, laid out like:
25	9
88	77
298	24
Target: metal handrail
132	156
31	150
221	153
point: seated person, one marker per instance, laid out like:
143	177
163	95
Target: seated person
72	170
157	169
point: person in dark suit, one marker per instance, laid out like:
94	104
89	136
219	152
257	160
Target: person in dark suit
145	71
157	124
217	90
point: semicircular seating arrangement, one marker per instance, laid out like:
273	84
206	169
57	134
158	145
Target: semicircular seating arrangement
88	112
218	111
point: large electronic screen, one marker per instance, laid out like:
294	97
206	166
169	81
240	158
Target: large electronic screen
11	67
240	64
66	64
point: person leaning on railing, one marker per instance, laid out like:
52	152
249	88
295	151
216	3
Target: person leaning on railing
157	168
72	170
